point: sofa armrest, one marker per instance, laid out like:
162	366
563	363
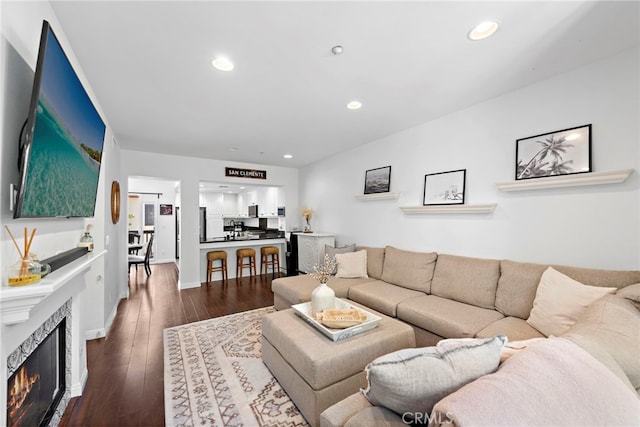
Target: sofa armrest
338	414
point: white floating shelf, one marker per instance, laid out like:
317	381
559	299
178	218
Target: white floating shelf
576	180
378	196
450	209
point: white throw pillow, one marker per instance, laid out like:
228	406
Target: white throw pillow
412	380
559	301
352	265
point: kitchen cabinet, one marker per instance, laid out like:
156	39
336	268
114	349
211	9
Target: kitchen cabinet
267	202
311	249
229	204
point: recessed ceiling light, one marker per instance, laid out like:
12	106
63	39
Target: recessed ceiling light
288	156
222	63
354	105
233	149
483	30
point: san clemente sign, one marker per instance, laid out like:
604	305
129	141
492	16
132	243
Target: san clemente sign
245	173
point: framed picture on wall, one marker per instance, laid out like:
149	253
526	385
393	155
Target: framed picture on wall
377	180
149	218
563	152
444	188
166	209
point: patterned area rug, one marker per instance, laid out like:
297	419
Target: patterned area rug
214	375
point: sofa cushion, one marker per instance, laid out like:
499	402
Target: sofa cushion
297	289
553	382
375	260
519	281
611	325
412	380
375	416
514	328
352	265
559	301
632	293
469	280
333	251
445	317
382	296
412	270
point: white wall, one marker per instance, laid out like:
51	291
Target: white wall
21	26
189	171
588	226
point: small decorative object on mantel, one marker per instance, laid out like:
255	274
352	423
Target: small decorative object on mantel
377	180
444	188
307	213
323	296
563	152
27	270
86	241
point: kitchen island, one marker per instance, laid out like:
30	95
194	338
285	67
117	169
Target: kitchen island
230	246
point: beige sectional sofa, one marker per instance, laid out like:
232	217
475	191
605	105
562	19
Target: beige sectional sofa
448	296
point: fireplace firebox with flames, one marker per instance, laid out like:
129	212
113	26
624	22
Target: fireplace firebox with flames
36	387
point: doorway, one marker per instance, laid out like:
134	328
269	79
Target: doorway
151	211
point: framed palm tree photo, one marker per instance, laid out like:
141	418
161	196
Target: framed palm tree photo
563	152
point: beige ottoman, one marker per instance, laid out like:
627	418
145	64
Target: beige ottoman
317	372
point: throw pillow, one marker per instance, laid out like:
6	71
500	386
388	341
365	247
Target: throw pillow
559	301
332	251
412	380
352	265
610	328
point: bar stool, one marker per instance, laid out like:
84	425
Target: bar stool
241	254
213	256
274	261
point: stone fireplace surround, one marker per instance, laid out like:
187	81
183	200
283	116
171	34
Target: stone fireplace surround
24	350
25	310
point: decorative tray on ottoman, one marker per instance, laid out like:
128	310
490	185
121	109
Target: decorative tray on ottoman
304	311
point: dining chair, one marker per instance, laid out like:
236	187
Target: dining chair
139	259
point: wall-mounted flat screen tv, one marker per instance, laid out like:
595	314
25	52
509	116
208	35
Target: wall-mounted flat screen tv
61	144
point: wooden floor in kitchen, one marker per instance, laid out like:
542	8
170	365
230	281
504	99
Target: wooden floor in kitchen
125	385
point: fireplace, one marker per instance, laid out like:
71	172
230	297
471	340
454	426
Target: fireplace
38	374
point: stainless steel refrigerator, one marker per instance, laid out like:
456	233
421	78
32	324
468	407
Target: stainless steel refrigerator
203	224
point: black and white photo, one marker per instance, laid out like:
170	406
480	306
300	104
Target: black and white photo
562	152
377	180
444	188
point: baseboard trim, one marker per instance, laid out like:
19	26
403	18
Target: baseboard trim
78	388
94	334
182	285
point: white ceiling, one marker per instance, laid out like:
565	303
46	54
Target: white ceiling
149	64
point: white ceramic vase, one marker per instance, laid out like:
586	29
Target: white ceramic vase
322	297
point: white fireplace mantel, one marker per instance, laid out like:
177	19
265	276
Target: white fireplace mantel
16	302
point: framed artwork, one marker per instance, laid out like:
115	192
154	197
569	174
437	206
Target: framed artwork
149	217
166	209
563	152
377	180
444	188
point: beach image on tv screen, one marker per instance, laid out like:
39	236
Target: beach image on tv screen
64	161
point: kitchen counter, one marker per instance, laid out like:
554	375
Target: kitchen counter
230	246
242	238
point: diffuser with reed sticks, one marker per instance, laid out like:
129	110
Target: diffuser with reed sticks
26	270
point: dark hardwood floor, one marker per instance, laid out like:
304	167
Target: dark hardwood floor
125	385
